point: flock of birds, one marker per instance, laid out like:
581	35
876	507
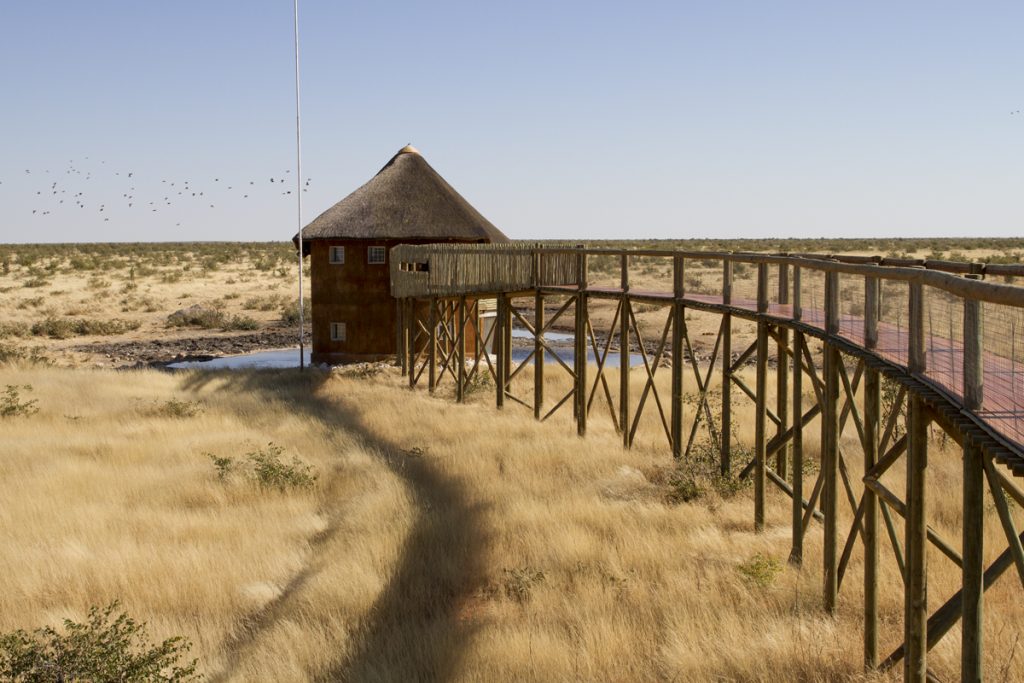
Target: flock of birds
68	188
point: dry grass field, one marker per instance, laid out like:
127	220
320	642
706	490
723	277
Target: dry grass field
438	542
411	538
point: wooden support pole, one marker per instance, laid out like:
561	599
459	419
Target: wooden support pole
624	357
410	340
761	399
830	429
872	419
973	504
400	335
460	352
500	371
538	354
678	324
760	424
915	664
726	453
432	348
782	375
506	331
796	553
580	339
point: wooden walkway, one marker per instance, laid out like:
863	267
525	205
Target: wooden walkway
944	336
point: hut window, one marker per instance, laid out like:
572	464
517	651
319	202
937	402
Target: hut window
375	255
338	332
337	254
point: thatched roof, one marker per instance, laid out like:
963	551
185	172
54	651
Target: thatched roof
407	199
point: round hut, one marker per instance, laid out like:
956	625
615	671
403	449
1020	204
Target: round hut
407	202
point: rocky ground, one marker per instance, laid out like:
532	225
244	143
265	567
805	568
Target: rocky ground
158	352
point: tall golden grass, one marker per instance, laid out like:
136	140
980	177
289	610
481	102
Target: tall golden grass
440	542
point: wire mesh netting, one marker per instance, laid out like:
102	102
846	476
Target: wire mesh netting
812	297
944	338
744	285
1003	362
851	307
703	279
893	305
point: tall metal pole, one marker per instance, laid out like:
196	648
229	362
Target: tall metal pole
298	186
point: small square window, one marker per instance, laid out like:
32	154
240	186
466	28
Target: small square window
337	255
375	255
338	332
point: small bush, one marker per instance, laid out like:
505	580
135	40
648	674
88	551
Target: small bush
760	570
104	648
13	330
290	312
11	404
197	316
265	468
224	466
13	354
518	583
179	409
63	328
34	302
270	472
241	322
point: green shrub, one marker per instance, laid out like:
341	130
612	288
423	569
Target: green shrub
104	648
265	468
760	570
11	404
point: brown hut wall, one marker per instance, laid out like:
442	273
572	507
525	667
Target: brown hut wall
358	294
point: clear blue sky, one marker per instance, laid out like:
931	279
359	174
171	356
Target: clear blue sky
556	119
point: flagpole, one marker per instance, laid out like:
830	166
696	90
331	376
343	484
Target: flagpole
298	185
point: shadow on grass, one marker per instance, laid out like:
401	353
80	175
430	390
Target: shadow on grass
413	631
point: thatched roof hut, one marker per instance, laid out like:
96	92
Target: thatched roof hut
406	200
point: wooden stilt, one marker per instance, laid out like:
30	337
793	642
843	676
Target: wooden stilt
830	429
973	504
782	376
915	664
580	339
410	340
872	418
499	352
796	553
726	452
399	329
432	348
761	399
538	354
678	323
460	352
624	357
